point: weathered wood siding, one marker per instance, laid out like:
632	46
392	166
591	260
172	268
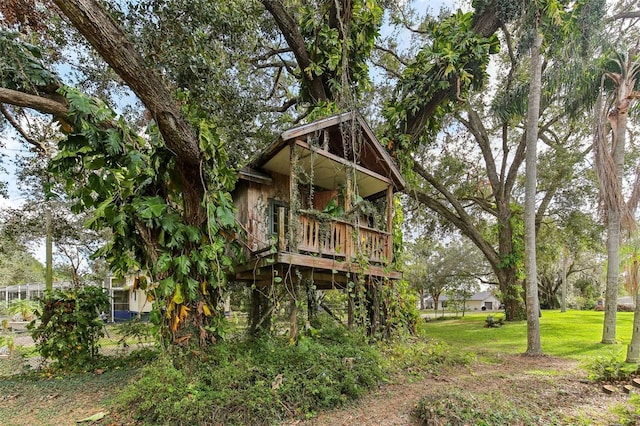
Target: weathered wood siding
252	201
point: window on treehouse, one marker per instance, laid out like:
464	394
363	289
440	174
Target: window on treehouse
273	215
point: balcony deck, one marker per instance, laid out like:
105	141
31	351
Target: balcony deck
327	252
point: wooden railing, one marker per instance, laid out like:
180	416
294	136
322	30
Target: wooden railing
336	238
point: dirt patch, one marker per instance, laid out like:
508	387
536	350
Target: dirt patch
57	400
552	390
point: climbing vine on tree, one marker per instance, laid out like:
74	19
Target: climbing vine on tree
130	183
172	223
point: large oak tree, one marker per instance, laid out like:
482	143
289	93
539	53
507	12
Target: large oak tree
165	197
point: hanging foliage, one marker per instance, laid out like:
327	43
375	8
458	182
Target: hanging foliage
131	184
456	60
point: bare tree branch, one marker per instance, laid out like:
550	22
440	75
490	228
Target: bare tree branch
14	123
390	52
277	64
59	109
284	107
292	35
387	69
475	126
624	15
270	54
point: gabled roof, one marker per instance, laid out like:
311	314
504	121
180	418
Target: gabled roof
483	295
336	141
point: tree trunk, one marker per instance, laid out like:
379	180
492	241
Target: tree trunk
48	274
633	350
511	292
533	114
565	264
614	217
507	271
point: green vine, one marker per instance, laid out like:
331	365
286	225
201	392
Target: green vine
330	44
132	185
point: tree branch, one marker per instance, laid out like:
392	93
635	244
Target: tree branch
278	64
271	53
57	108
476	128
390	52
387	69
460	218
96	25
464	225
518	158
486	23
40	147
284	107
292	35
624	15
110	41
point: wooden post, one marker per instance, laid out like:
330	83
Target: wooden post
293	202
48	274
389	244
282	243
350	310
348	190
293	307
254	314
312	301
347	207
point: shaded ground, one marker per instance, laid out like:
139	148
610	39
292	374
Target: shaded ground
552	390
56	401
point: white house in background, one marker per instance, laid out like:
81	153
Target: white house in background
482	301
127	302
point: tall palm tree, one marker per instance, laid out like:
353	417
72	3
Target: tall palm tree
533	115
609	149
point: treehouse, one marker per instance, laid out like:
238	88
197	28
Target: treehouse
317	205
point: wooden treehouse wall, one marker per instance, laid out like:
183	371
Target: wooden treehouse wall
252	202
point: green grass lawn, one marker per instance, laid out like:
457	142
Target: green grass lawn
573	334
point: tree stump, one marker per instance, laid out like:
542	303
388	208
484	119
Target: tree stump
608	389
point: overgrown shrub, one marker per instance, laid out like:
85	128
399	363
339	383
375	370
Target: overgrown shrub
22	309
419	356
255	382
610	368
68	326
458	408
